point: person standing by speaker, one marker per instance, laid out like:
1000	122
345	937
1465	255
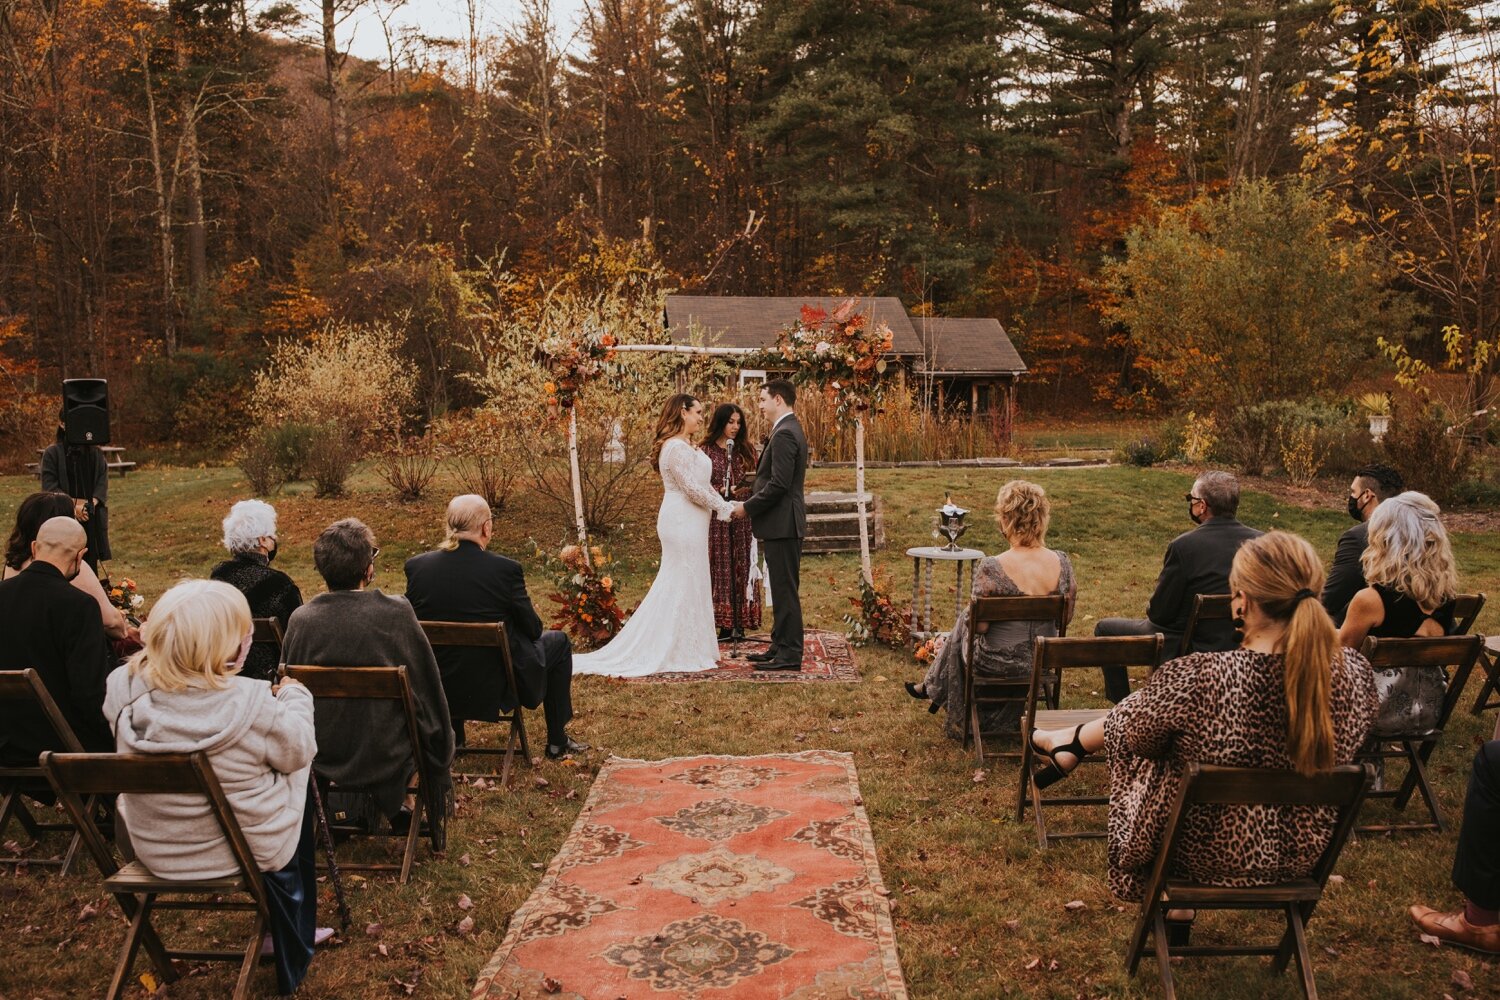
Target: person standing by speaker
62	464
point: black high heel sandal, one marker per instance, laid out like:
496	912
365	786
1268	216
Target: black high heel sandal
921	695
1054	772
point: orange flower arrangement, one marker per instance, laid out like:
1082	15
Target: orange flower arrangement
587	606
843	352
572	362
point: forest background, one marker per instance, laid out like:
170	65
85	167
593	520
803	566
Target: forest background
1202	205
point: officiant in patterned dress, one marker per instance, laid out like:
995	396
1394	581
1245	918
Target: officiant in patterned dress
729	542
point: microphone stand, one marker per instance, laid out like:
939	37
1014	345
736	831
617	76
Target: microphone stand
736	629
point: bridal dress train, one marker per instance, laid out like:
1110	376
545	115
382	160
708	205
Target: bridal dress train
673	629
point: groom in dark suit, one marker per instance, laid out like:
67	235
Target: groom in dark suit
778	517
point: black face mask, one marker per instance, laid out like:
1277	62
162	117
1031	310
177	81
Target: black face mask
1354	510
271	556
1195	518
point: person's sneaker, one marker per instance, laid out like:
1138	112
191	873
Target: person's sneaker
321	936
1454	929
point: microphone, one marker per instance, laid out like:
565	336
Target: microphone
728	467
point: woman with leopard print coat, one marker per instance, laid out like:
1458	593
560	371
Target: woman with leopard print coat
1289	698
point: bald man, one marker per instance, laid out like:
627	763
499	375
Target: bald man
54	628
461	582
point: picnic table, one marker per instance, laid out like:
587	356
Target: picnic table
114	459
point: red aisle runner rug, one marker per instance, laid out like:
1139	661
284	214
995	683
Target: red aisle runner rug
826	656
708	878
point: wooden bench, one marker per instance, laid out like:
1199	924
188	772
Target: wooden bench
114	460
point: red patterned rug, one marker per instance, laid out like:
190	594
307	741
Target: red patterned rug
826	656
708	878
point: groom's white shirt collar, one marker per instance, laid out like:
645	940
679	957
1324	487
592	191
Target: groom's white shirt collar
779	419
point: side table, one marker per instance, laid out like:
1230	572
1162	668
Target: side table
922	560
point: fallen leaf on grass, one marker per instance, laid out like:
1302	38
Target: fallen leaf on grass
1013	925
465	903
373	930
1033	965
1336	879
383	950
463	860
1073	905
1462	980
540	781
89	912
980	775
1431	939
466	925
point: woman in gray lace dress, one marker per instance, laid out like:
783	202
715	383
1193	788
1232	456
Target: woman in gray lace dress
1003	651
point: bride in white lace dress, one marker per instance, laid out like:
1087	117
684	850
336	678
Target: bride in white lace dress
673	629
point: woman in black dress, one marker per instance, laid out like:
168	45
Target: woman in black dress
1411	581
250	537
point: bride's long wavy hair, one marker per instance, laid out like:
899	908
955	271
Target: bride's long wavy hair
669	424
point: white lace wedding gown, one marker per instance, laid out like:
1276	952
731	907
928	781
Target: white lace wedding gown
673	629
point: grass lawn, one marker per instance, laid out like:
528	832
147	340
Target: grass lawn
979	909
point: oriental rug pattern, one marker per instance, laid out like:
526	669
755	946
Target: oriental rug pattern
708	878
826	656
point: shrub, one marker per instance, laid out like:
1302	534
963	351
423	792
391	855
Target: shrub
1199	437
259	463
482	445
1258	437
1143	452
330	459
290	445
1423	447
1300	455
409	468
351	375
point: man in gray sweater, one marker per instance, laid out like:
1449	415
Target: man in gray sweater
359	744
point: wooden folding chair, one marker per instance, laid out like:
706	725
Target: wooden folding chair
981	691
378	684
1050	658
488	635
266	631
1489	662
24	690
1466	608
1342	789
1459	652
139	892
1206	608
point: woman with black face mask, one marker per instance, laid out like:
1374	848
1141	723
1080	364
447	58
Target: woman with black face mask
250	537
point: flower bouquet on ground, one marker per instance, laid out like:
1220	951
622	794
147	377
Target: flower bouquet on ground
929	650
879	620
587	608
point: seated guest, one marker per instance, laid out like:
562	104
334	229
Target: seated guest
41	507
1289	698
1412	583
1197	562
250	537
461	582
1004	650
1476	864
182	694
362	745
1371	485
54	628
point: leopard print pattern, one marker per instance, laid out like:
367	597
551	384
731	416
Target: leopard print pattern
1227	709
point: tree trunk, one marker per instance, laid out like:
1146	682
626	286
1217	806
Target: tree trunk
163	209
197	231
333	79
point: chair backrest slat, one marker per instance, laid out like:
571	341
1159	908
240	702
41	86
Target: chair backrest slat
1019	608
266	630
1423	651
25	688
1466	608
350	682
481	634
1091	651
1206	608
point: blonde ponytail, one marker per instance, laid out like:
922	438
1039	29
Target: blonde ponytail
1283	574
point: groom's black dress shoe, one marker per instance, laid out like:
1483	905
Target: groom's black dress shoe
765	657
778	666
570	747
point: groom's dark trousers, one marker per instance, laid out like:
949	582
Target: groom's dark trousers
778	517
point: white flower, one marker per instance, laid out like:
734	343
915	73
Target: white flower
136	600
823	347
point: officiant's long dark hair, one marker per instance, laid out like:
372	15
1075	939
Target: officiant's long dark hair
669	424
744	451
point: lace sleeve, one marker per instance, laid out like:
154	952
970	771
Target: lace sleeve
677	472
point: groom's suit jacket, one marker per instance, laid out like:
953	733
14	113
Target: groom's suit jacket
776	508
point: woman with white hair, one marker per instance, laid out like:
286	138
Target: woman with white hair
1411	581
250	537
182	694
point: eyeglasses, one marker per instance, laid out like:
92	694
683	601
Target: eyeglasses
1192	499
374	554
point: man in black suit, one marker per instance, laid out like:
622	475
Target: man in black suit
1346	577
461	582
778	517
1197	562
54	628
